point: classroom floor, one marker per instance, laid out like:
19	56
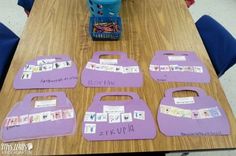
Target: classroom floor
224	11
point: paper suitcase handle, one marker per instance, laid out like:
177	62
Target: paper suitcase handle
60	96
175	53
98	96
122	55
189	55
169	92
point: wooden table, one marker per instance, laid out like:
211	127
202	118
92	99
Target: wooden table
61	27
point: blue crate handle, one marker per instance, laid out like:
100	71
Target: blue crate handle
104	7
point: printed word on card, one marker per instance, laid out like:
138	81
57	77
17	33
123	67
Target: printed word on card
113	109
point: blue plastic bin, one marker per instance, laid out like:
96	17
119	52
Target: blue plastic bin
104	7
105	36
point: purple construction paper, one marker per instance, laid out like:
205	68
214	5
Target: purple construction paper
41	129
180	126
137	129
58	78
161	58
93	78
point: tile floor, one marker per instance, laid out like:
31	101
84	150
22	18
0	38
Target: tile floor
223	11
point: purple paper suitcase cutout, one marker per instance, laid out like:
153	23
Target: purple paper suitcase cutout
196	125
94	78
184	66
41	129
135	129
58	77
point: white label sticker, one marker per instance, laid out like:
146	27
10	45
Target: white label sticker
177	58
45	61
184	100
164	68
12	121
35	118
130	69
205	113
91	65
45	103
68	113
26	75
59	65
165	109
37	69
90	128
188	68
154	67
28	68
108	61
45	116
56	115
47	67
198	69
90	117
113	109
114	118
101	117
68	63
210	112
139	115
23	119
126	117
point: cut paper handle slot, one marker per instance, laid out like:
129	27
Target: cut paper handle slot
99	96
60	97
97	55
200	92
175	54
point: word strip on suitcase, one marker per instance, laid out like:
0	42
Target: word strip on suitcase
175	68
204	113
44	65
112	68
39	117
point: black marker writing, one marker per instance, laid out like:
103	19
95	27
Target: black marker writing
102	82
58	80
201	133
118	131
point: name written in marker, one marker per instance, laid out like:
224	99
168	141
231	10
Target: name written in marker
100	83
58	80
118	131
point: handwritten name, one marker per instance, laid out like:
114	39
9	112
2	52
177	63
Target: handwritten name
201	133
11	127
102	82
118	131
58	80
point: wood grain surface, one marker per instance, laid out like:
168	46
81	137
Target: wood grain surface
61	27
